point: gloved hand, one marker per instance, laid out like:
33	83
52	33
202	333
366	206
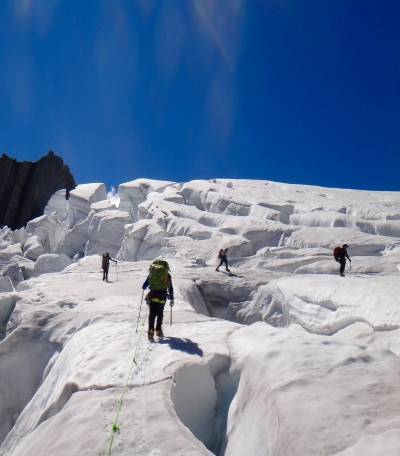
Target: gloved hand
171	303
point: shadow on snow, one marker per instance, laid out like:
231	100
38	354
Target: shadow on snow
184	345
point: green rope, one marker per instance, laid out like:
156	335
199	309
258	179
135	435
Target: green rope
115	428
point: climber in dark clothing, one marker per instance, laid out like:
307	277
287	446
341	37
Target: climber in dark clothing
223	257
156	301
340	254
105	264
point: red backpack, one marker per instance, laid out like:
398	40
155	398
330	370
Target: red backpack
337	252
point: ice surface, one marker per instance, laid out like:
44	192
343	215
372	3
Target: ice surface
51	262
103	205
247	216
13	272
9	251
57	204
6	284
106	230
135	192
33	248
281	356
301	394
81	199
48	229
360	243
323	304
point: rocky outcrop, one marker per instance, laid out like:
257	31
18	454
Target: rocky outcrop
26	187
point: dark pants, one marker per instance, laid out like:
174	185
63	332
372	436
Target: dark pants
342	262
225	262
105	272
156	310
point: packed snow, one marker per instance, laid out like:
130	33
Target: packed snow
279	357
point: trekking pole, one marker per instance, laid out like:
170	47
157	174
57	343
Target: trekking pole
116	270
170	316
140	309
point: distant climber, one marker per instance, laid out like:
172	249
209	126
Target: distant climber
223	257
105	264
160	283
340	254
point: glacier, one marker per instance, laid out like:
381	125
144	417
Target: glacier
282	357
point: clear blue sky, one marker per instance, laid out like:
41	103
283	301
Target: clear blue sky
294	91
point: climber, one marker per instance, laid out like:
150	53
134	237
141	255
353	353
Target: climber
223	257
340	254
105	264
160	283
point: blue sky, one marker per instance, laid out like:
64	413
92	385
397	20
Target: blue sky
293	91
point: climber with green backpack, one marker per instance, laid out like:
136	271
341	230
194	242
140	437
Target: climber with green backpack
160	283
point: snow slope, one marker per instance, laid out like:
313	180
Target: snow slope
281	357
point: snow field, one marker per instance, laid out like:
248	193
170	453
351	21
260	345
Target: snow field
281	357
304	394
94	349
237	391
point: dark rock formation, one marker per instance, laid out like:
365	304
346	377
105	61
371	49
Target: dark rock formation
26	187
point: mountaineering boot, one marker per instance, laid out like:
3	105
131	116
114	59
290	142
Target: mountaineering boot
217	269
342	275
150	334
159	333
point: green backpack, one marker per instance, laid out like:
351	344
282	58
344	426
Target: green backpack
158	275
